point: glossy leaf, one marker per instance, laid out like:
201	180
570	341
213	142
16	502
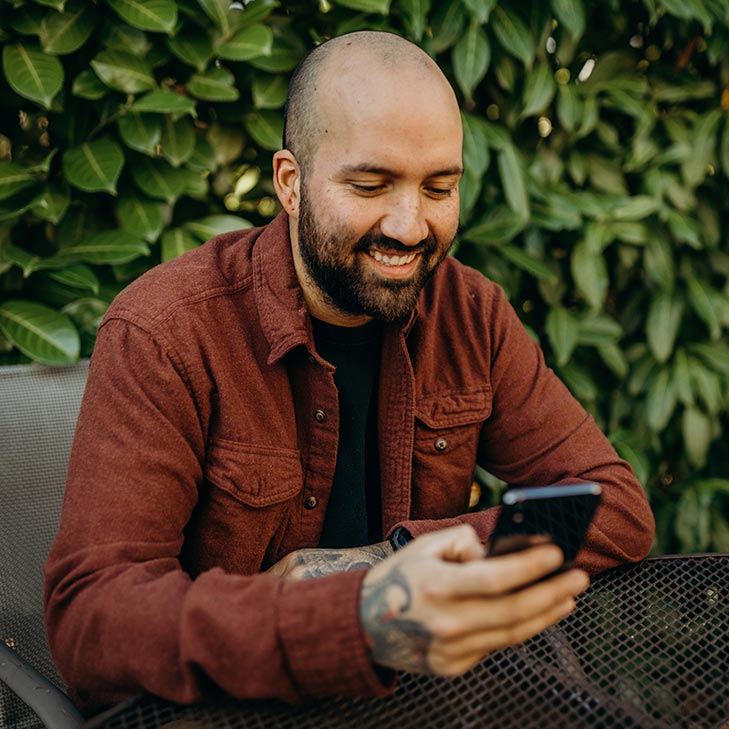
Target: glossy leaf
471	58
14	178
447	22
563	331
716	355
249	42
164	102
538	91
141	216
569	108
141	132
266	128
178	141
215	84
480	9
282	58
366	6
154	15
111	246
571	13
219	12
499	225
527	262
123	71
696	166
699	297
192	47
87	85
94	166
175	242
476	155
77	276
66	32
415	15
660	401
513	180
589	274
696	428
664	318
513	34
40	332
213	225
659	263
269	92
32	74
52	204
158	179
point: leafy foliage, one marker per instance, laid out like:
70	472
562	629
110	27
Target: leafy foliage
596	151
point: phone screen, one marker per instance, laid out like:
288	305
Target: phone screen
538	514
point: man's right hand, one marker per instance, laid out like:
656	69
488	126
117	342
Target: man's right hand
437	606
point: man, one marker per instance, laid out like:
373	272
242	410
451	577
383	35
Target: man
262	409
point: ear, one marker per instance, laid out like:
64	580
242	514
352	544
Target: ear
286	181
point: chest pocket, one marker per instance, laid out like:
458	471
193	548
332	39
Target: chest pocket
447	429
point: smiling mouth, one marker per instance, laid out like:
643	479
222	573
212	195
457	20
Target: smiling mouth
393	260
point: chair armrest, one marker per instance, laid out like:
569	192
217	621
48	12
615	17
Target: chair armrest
52	706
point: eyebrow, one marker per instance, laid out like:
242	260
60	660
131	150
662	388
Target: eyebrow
374	170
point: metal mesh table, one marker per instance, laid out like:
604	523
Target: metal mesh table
648	646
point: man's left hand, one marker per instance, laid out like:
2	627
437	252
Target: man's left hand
306	563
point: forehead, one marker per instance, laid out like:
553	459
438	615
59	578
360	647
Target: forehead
390	119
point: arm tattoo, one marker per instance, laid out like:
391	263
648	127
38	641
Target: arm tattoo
398	641
322	562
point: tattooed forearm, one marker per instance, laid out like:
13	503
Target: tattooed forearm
309	563
398	640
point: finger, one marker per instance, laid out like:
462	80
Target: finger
455	656
501	575
455	544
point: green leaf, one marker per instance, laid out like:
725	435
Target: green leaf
664	318
13	178
699	297
579	381
569	107
480	9
696	428
571	13
213	225
499	225
682	377
660	401
562	330
471	58
706	384
282	58
66	32
513	180
154	15
78	276
178	141
32	74
590	275
716	355
614	358
476	155
703	150
123	71
203	157
635	457
108	247
606	175
122	37
367	6
598	330
538	90
513	34
725	149
415	14
250	42
219	12
94	166
165	102
269	92
527	262
87	85
447	23
158	179
658	263
637	207
175	242
141	132
215	84
39	332
52	204
256	10
27	20
266	128
193	48
141	216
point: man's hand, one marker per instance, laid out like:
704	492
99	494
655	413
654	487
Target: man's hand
305	563
437	606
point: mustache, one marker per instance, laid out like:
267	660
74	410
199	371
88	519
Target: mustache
383	243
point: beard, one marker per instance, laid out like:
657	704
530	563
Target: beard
335	265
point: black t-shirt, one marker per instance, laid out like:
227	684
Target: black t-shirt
353	515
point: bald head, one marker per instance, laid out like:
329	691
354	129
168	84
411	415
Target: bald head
350	70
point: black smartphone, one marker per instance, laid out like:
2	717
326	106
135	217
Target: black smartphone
538	514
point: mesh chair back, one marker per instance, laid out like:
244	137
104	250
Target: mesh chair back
38	411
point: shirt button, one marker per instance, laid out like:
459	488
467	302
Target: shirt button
320	416
310	502
440	444
311	359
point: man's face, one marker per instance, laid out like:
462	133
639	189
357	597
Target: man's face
378	206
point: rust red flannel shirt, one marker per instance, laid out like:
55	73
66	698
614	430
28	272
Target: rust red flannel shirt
206	449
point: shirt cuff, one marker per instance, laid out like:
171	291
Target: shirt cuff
323	639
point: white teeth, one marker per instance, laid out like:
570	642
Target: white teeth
393	260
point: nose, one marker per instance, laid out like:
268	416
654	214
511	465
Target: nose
404	220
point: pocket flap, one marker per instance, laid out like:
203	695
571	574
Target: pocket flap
453	408
254	475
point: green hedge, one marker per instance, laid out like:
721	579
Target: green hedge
596	152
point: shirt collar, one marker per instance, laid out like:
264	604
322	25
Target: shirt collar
281	307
